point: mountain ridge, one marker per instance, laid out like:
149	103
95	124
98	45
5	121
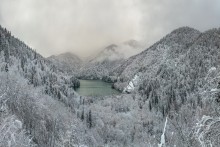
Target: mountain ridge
66	62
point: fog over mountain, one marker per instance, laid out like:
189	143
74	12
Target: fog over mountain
84	26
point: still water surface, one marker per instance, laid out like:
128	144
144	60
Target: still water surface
95	88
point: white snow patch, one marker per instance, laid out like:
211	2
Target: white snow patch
212	69
18	124
132	84
162	140
215	90
211	72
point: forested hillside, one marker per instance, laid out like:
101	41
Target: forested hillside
67	62
37	101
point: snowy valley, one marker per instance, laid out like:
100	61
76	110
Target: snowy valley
170	94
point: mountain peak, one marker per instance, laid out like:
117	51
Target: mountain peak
184	29
183	36
111	47
133	43
68	61
66	55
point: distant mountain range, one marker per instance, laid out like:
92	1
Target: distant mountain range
99	65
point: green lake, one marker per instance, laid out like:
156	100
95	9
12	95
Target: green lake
95	88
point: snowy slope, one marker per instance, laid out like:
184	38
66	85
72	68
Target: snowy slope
169	48
34	96
66	62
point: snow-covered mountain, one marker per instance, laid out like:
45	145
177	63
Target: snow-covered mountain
66	62
182	50
110	53
109	58
119	51
166	51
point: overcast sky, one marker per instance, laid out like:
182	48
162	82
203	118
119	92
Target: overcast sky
83	26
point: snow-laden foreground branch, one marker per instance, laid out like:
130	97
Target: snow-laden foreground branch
2	95
207	131
12	133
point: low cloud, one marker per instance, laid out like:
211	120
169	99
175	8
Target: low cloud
84	26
